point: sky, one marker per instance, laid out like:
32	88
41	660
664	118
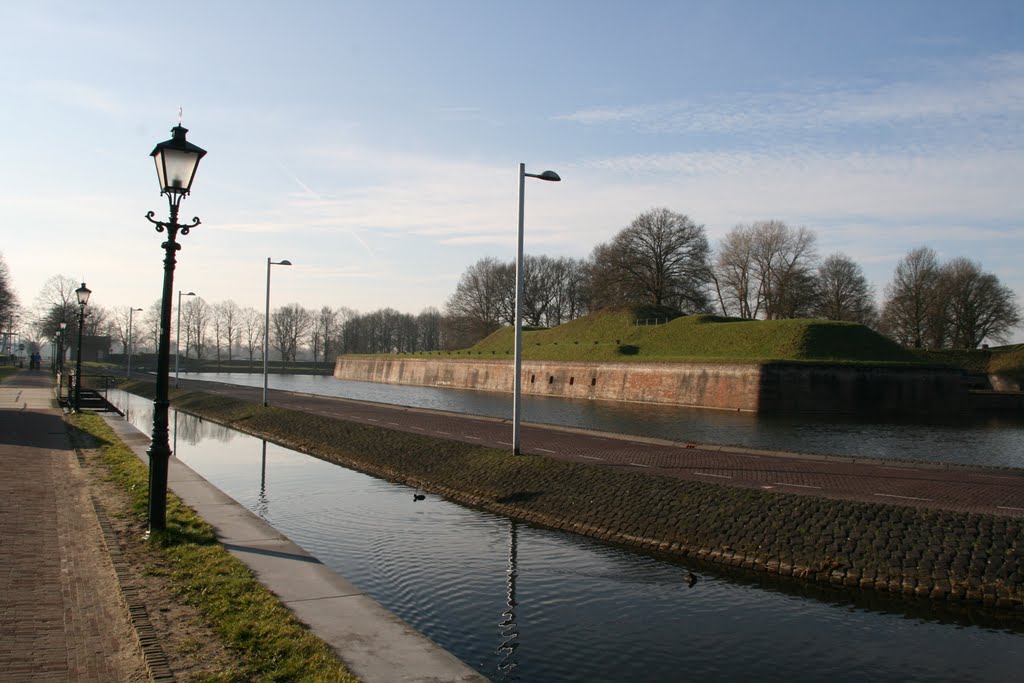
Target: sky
376	145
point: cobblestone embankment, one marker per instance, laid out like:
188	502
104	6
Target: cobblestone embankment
941	555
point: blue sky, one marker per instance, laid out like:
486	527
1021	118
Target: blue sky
376	144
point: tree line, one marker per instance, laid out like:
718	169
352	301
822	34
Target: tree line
762	270
225	331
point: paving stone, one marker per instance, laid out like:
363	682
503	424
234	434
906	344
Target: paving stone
60	604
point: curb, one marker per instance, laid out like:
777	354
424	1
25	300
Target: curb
156	659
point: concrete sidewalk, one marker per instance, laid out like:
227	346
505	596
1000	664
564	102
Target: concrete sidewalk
375	644
62	617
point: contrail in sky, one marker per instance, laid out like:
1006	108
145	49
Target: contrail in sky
317	195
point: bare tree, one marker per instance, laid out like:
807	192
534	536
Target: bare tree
324	333
661	259
429	330
225	327
251	331
735	277
480	298
8	297
151	325
97	321
289	326
784	259
977	305
118	325
843	293
911	314
570	301
57	303
196	315
540	289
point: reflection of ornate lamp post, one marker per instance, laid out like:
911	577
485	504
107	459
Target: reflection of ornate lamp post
82	293
517	384
176	164
266	326
131	312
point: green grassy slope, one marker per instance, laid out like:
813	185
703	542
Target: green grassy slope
613	335
1009	361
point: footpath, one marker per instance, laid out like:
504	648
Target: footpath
62	614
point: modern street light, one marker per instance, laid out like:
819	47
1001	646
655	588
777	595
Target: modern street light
176	163
518	380
131	312
177	337
266	325
82	293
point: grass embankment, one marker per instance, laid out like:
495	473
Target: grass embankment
1007	361
928	553
626	334
615	335
271	645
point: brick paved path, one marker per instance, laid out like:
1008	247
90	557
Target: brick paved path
965	489
61	613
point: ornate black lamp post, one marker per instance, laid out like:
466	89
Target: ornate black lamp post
61	340
82	293
176	163
56	350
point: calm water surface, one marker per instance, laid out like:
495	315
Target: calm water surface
995	441
525	604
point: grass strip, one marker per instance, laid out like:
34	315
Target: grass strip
270	643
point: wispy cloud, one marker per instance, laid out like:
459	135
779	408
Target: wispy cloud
991	88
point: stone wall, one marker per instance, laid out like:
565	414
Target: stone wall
772	387
888	390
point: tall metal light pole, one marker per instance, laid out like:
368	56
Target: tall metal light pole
82	293
518	380
176	163
177	337
131	312
266	325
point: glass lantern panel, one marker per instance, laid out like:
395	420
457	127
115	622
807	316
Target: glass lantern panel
179	166
158	158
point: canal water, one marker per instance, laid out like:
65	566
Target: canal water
997	441
525	604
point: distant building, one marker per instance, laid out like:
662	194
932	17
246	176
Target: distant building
95	349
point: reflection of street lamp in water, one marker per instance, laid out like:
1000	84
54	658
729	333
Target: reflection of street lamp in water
263	503
263	468
509	626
